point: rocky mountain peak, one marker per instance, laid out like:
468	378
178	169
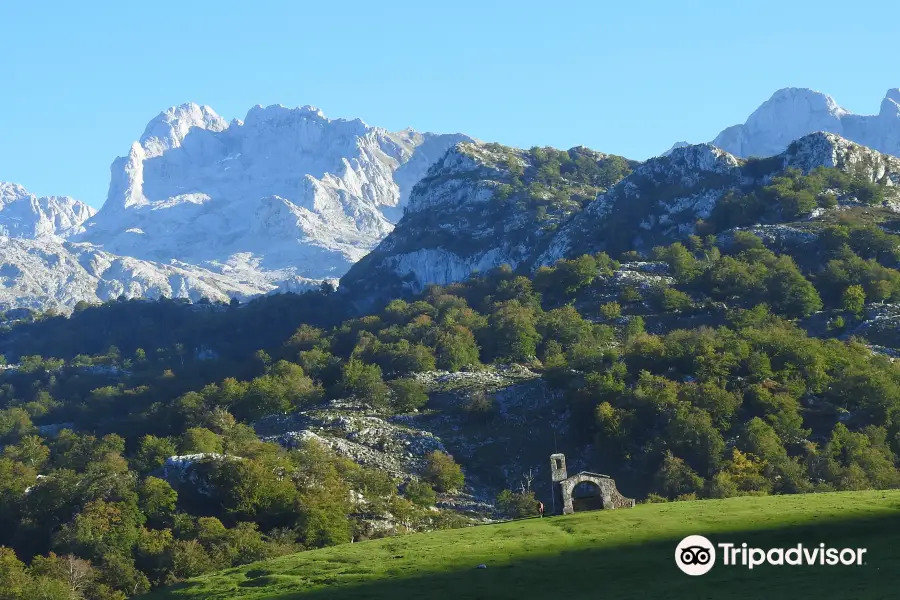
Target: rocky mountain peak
286	193
282	200
168	129
485	205
699	157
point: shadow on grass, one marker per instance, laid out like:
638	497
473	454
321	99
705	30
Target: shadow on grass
632	571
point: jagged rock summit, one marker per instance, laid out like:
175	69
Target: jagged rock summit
792	113
286	192
24	215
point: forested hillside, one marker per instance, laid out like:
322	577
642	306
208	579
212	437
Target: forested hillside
752	358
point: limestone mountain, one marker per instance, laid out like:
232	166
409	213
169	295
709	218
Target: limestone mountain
201	207
285	192
467	216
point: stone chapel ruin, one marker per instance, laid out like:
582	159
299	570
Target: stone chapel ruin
584	490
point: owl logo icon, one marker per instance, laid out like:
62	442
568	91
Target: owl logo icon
695	555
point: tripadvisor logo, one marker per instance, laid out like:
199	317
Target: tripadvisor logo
696	555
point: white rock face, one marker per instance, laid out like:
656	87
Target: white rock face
792	113
24	215
286	192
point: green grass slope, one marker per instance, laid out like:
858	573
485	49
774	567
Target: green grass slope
603	554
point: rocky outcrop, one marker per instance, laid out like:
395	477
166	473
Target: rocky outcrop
354	432
190	472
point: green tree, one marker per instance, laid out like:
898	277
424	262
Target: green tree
157	500
121	574
152	453
512	332
685	267
420	493
692	434
443	472
246	489
518	505
853	299
610	310
189	559
634	327
14	424
408	394
672	300
323	510
455	348
76	576
363	381
30	451
102	528
761	440
14	581
675	478
629	295
200	440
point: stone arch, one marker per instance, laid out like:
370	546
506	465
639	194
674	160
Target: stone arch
609	495
587	495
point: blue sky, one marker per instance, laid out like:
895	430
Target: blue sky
80	80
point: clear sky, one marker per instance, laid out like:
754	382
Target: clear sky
80	80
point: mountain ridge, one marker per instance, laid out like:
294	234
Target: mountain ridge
659	201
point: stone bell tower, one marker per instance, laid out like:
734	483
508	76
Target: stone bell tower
557	474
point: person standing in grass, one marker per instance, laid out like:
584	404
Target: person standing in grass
541	509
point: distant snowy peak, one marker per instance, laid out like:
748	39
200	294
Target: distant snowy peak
24	215
792	113
287	189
